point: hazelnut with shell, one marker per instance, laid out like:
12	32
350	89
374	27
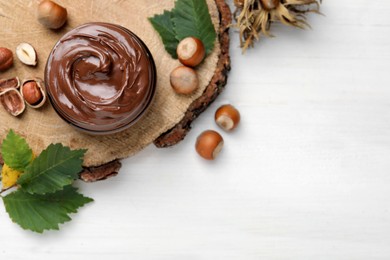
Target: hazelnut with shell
227	117
191	51
33	92
209	144
184	80
51	14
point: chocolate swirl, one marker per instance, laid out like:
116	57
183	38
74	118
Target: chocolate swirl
100	77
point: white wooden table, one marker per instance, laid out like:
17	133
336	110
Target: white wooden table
305	176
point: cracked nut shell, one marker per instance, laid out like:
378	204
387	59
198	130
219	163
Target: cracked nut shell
9	83
33	92
12	101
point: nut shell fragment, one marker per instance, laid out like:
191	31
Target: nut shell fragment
33	92
9	83
12	101
26	54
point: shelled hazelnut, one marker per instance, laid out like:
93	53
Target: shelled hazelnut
26	54
6	59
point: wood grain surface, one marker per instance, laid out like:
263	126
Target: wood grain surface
306	176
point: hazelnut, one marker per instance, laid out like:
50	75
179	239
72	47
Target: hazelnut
26	54
269	5
33	92
191	51
51	14
209	144
227	117
184	80
6	58
239	3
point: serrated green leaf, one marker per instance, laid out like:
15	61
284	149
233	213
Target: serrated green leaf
16	152
56	167
188	18
43	212
164	26
192	18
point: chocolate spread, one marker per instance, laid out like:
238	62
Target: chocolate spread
100	77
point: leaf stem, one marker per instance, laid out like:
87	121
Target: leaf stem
4	190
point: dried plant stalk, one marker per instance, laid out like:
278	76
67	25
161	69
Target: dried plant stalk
254	17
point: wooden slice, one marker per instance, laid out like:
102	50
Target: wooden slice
214	88
170	116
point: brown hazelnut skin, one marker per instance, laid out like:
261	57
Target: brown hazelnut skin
239	3
269	5
209	144
191	51
184	80
51	14
227	117
31	93
6	58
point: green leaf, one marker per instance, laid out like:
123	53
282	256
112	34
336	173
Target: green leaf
43	212
164	26
57	166
188	18
192	18
16	152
